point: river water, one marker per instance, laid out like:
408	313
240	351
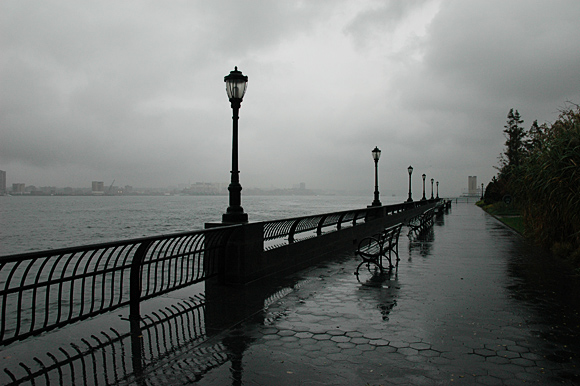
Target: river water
29	223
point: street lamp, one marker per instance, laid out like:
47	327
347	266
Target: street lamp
236	85
432	180
482	191
376	152
410	170
423	199
437	183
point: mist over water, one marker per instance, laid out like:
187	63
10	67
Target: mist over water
38	223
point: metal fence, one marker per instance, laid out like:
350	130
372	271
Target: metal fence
43	290
466	199
283	232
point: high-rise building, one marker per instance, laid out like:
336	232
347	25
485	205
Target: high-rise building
472	186
18	188
98	187
2	182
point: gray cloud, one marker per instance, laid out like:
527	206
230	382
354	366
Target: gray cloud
133	91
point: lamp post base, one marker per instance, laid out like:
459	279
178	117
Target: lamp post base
235	218
376	203
409	199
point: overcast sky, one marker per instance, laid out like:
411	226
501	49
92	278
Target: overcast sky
133	90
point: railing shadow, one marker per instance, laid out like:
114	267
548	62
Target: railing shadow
114	357
185	334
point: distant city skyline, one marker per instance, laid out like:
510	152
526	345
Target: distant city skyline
200	187
101	187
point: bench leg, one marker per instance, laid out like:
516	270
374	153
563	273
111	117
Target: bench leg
368	263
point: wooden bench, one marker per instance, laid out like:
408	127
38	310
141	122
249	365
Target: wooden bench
421	222
372	249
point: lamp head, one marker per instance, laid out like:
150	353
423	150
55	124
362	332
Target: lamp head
236	84
376	152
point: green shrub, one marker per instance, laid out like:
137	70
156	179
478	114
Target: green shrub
547	184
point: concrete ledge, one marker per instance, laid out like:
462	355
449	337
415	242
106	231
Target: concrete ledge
246	261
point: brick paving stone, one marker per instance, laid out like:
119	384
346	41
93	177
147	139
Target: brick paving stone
321	336
379	342
340	339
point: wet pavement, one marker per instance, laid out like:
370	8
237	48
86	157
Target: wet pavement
470	303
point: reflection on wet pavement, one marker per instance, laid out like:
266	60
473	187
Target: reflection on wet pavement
470	303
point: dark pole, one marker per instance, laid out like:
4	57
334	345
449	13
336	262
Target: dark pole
423	199
482	191
437	190
410	170
376	201
235	212
432	180
376	155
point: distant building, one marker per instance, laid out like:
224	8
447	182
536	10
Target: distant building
18	188
2	182
301	186
50	190
472	186
98	187
205	188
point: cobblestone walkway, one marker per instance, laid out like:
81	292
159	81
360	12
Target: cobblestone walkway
459	310
470	303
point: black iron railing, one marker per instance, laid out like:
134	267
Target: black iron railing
43	290
281	232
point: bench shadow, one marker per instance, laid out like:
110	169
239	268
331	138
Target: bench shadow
382	289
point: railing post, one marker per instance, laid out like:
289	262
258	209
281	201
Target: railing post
135	280
292	231
339	222
320	223
137	349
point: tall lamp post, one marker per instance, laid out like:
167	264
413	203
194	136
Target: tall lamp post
376	152
437	183
482	191
410	170
423	199
236	85
432	180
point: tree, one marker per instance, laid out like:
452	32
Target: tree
495	190
548	182
515	139
536	138
541	168
512	157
